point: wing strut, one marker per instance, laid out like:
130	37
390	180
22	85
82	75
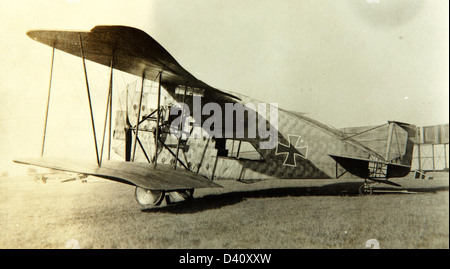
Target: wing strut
108	109
108	106
142	148
138	115
48	100
157	133
180	127
89	99
158	113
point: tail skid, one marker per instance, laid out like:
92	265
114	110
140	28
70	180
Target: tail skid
385	182
367	187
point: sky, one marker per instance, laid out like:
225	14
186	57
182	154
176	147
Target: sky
345	63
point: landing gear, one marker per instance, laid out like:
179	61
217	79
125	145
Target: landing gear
186	194
147	197
181	195
367	187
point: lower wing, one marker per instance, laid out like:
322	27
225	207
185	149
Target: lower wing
143	175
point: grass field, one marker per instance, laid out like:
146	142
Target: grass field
297	214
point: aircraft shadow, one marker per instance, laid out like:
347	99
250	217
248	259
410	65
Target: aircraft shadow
215	201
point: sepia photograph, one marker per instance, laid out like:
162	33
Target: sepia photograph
224	125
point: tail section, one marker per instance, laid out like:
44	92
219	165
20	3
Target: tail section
406	145
393	140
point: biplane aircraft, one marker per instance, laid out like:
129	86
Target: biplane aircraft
167	150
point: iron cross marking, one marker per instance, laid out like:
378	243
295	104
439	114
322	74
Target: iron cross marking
292	150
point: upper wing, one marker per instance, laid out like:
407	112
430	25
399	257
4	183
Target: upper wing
140	174
134	51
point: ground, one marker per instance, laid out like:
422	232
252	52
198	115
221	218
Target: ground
275	214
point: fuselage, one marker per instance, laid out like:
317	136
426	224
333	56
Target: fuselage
301	150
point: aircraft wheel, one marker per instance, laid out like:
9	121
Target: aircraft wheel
365	190
182	195
186	194
146	197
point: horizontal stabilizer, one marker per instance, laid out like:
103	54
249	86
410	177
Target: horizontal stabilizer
366	168
143	175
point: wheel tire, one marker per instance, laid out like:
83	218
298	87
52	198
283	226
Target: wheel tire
146	197
186	194
365	190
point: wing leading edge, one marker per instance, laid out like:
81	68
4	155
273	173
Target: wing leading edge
140	174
